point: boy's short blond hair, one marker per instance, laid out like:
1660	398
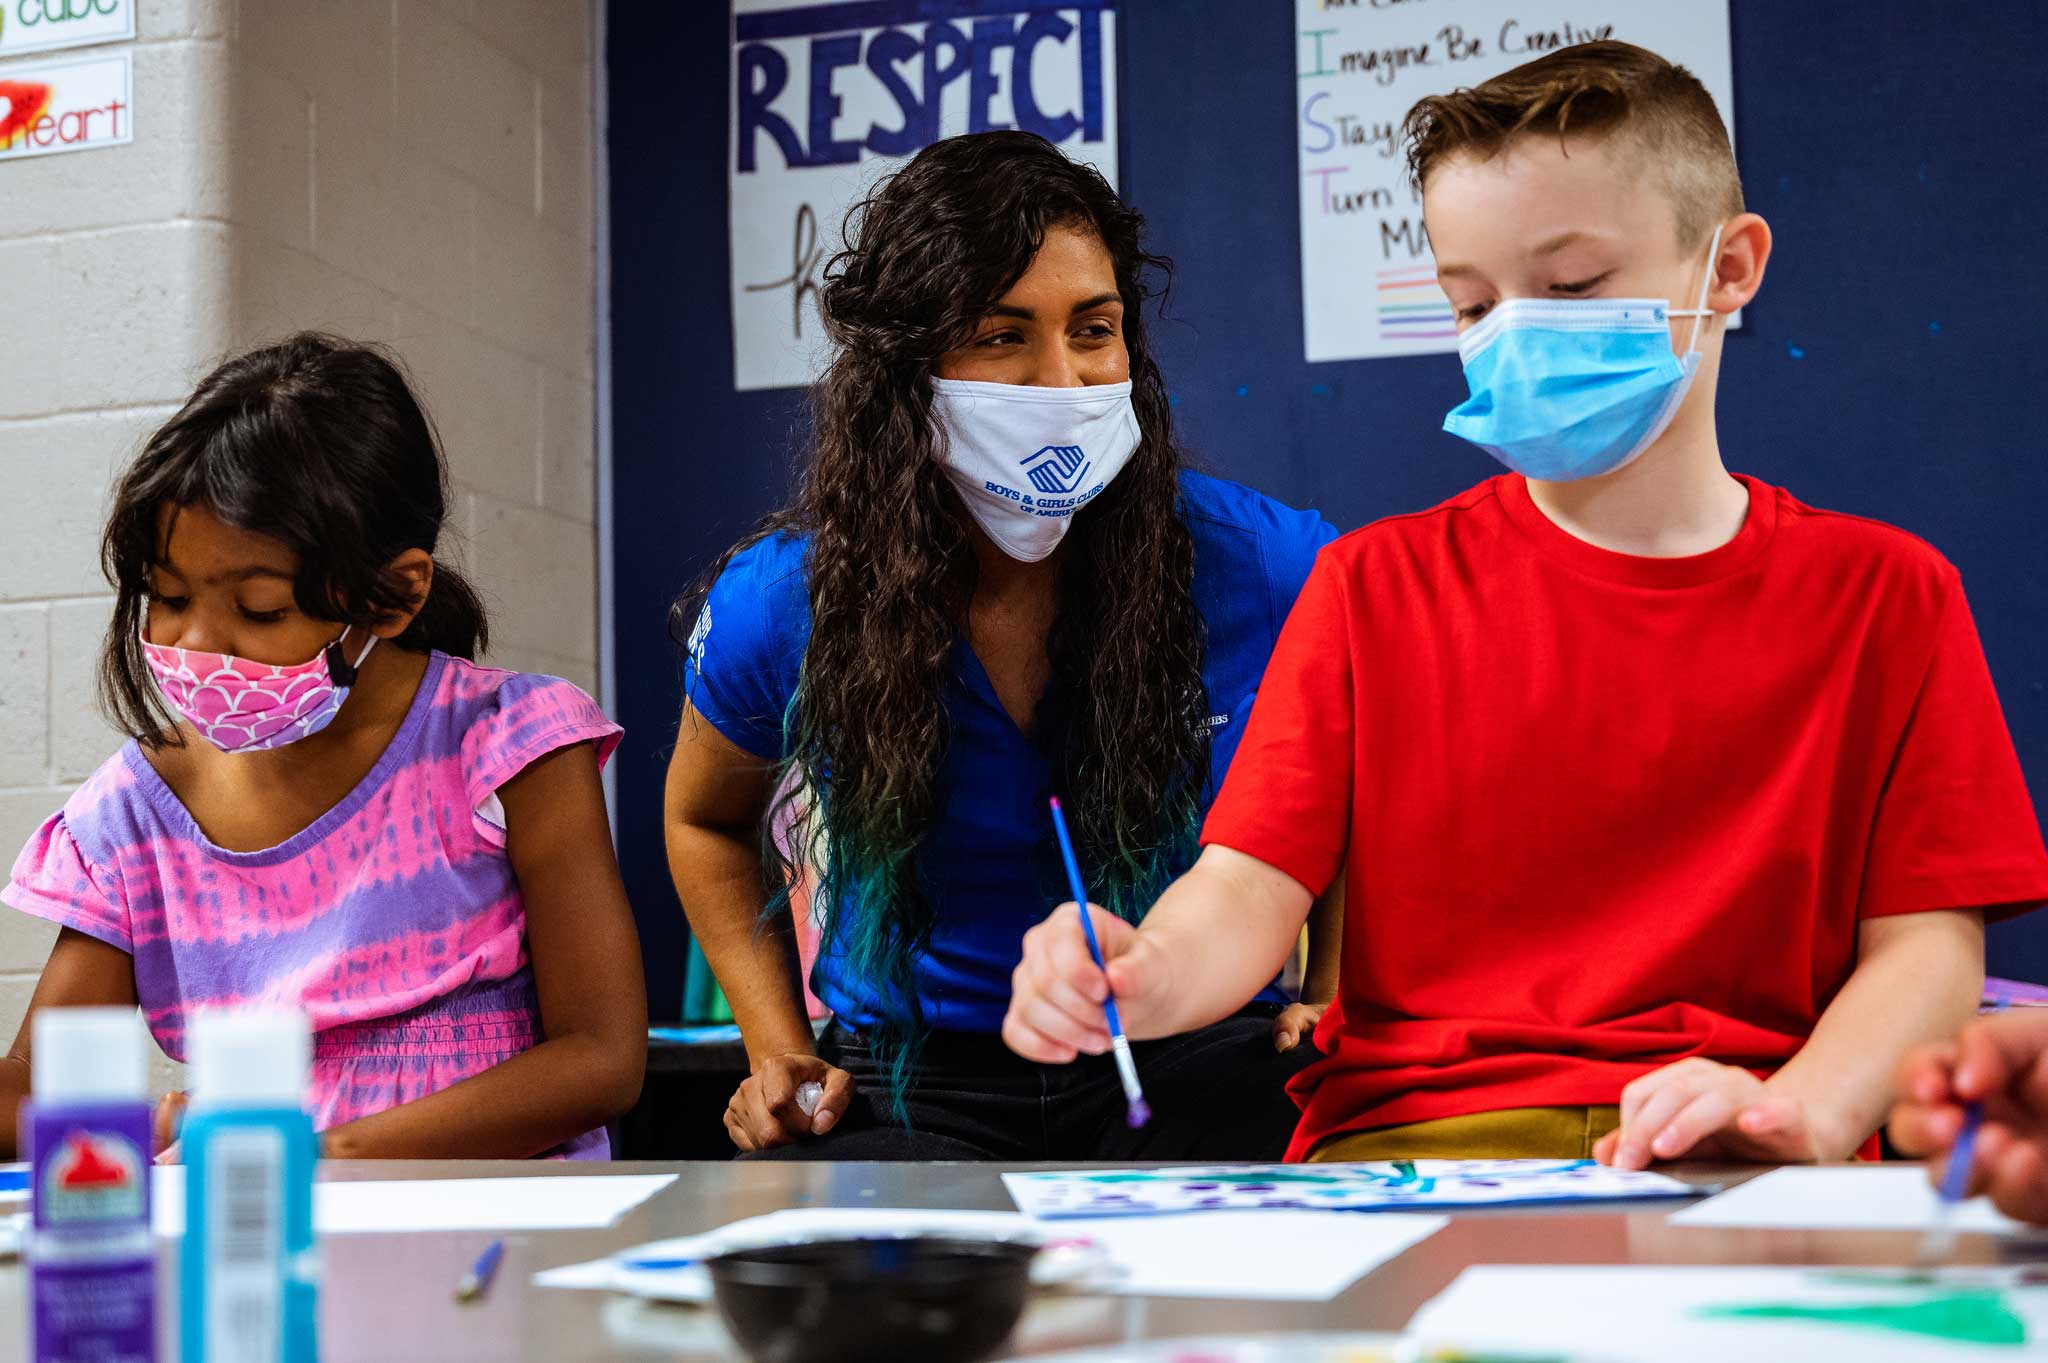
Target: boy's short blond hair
1602	89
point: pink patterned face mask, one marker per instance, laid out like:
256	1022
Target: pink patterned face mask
242	706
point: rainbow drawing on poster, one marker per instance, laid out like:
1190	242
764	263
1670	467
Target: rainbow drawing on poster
1402	1185
1411	307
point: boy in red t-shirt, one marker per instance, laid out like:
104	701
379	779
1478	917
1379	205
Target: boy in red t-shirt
1670	809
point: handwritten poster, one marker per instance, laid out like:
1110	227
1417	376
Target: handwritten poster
827	98
1368	282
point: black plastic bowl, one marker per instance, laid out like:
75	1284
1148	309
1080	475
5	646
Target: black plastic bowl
873	1300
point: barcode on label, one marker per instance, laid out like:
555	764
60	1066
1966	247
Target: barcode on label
245	1247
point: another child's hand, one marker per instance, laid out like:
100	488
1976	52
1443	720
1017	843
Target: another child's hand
2001	1062
1056	992
168	1126
1295	1025
766	1110
1700	1109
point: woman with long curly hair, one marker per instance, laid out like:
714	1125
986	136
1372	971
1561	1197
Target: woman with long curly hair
997	583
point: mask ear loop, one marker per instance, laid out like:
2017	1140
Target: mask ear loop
1699	312
339	668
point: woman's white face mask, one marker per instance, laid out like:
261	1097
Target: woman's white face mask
1026	458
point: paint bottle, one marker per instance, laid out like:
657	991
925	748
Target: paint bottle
86	1131
249	1271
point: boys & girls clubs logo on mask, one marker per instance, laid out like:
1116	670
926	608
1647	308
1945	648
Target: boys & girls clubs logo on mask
1056	473
1056	469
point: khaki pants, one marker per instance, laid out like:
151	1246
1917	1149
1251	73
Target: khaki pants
1512	1133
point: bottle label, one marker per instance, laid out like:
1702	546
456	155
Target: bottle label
91	1261
94	1178
95	1313
245	1246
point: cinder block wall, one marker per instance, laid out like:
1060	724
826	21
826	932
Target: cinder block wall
416	172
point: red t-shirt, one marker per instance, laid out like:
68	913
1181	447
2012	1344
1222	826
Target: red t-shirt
1605	812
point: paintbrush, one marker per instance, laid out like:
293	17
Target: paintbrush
1940	1240
1119	1044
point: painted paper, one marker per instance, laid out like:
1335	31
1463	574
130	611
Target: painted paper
1424	1185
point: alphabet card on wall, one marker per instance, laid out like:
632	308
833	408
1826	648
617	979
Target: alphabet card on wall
46	25
1402	1185
72	104
830	97
1368	281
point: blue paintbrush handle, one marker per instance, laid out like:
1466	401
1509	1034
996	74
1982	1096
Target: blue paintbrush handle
1120	1045
1957	1177
1080	893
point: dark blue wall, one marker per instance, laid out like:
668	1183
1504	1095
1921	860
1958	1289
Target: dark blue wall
1893	365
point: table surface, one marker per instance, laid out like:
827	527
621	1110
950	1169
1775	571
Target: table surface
389	1297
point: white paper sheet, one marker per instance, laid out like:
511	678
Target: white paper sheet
1872	1198
1428	1185
1304	1346
1268	1256
1259	1256
562	1202
1597	1314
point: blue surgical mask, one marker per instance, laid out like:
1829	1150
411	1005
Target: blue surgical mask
1564	389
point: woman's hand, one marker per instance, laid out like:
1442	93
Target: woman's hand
168	1127
1296	1024
766	1111
1701	1109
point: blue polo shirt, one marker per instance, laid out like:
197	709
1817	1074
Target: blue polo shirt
989	859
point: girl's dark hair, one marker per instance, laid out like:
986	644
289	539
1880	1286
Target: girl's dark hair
891	568
318	443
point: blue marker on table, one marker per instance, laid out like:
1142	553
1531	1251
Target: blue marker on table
477	1281
1119	1044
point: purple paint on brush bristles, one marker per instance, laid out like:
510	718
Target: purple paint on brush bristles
1140	1113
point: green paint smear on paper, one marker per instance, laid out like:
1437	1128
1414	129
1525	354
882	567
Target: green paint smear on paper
1968	1317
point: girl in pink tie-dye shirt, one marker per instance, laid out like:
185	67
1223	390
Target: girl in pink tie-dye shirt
324	804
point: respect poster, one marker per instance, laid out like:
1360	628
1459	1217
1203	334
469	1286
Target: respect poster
829	97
